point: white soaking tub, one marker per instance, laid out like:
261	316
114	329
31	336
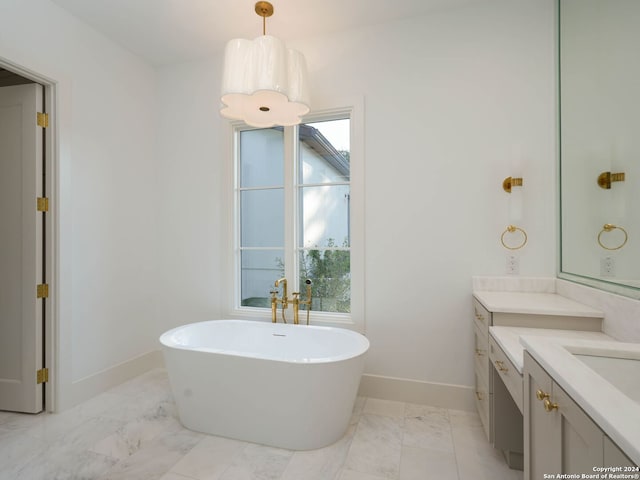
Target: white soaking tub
288	386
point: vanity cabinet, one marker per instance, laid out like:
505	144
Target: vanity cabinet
498	389
499	392
559	437
482	320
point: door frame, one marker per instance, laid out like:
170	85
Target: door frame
51	232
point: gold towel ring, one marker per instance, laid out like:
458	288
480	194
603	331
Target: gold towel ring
513	229
608	227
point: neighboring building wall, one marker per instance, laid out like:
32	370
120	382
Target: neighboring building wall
326	208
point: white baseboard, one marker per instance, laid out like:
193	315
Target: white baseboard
456	397
88	387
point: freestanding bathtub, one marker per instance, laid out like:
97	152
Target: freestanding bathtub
283	385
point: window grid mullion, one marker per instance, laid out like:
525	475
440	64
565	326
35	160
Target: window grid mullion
290	208
267	187
335	249
324	184
236	220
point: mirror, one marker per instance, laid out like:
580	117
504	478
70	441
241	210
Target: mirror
599	85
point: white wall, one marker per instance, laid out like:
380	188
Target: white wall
450	100
106	202
191	168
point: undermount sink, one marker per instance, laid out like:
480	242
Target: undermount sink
619	368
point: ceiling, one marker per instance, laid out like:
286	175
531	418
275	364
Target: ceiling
171	31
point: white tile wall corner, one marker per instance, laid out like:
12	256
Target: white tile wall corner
621	314
514	284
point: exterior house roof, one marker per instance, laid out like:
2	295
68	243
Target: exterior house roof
323	147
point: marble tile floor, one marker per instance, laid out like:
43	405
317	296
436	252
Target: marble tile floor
132	432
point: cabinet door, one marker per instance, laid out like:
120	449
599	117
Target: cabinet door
614	457
483	403
559	436
481	354
582	440
542	439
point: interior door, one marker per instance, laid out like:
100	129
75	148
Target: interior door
21	249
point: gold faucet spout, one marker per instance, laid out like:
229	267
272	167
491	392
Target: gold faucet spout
285	295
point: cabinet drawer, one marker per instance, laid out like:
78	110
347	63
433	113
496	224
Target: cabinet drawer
481	317
507	371
482	404
481	351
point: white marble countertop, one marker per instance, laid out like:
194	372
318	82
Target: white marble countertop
615	412
508	338
534	303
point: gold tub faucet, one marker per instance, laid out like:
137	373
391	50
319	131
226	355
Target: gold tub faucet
284	301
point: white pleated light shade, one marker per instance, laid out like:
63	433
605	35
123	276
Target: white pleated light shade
264	83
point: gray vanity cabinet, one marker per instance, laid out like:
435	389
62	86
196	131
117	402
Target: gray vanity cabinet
483	391
559	437
499	384
497	392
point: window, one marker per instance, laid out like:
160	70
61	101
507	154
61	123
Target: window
293	211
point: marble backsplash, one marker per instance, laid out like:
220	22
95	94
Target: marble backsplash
621	314
514	284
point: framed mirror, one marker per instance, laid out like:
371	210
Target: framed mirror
599	120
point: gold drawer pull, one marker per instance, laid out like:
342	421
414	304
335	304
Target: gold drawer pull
479	395
501	367
548	406
480	353
540	395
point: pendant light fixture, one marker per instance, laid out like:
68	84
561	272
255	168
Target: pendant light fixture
264	83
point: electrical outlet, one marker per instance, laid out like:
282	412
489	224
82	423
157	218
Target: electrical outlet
607	267
513	265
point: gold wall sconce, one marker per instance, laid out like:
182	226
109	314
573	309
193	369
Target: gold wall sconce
510	182
606	178
609	227
513	229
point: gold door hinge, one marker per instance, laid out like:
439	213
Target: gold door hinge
42	375
42	291
42	204
42	119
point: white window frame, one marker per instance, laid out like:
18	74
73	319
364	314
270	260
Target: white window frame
354	320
